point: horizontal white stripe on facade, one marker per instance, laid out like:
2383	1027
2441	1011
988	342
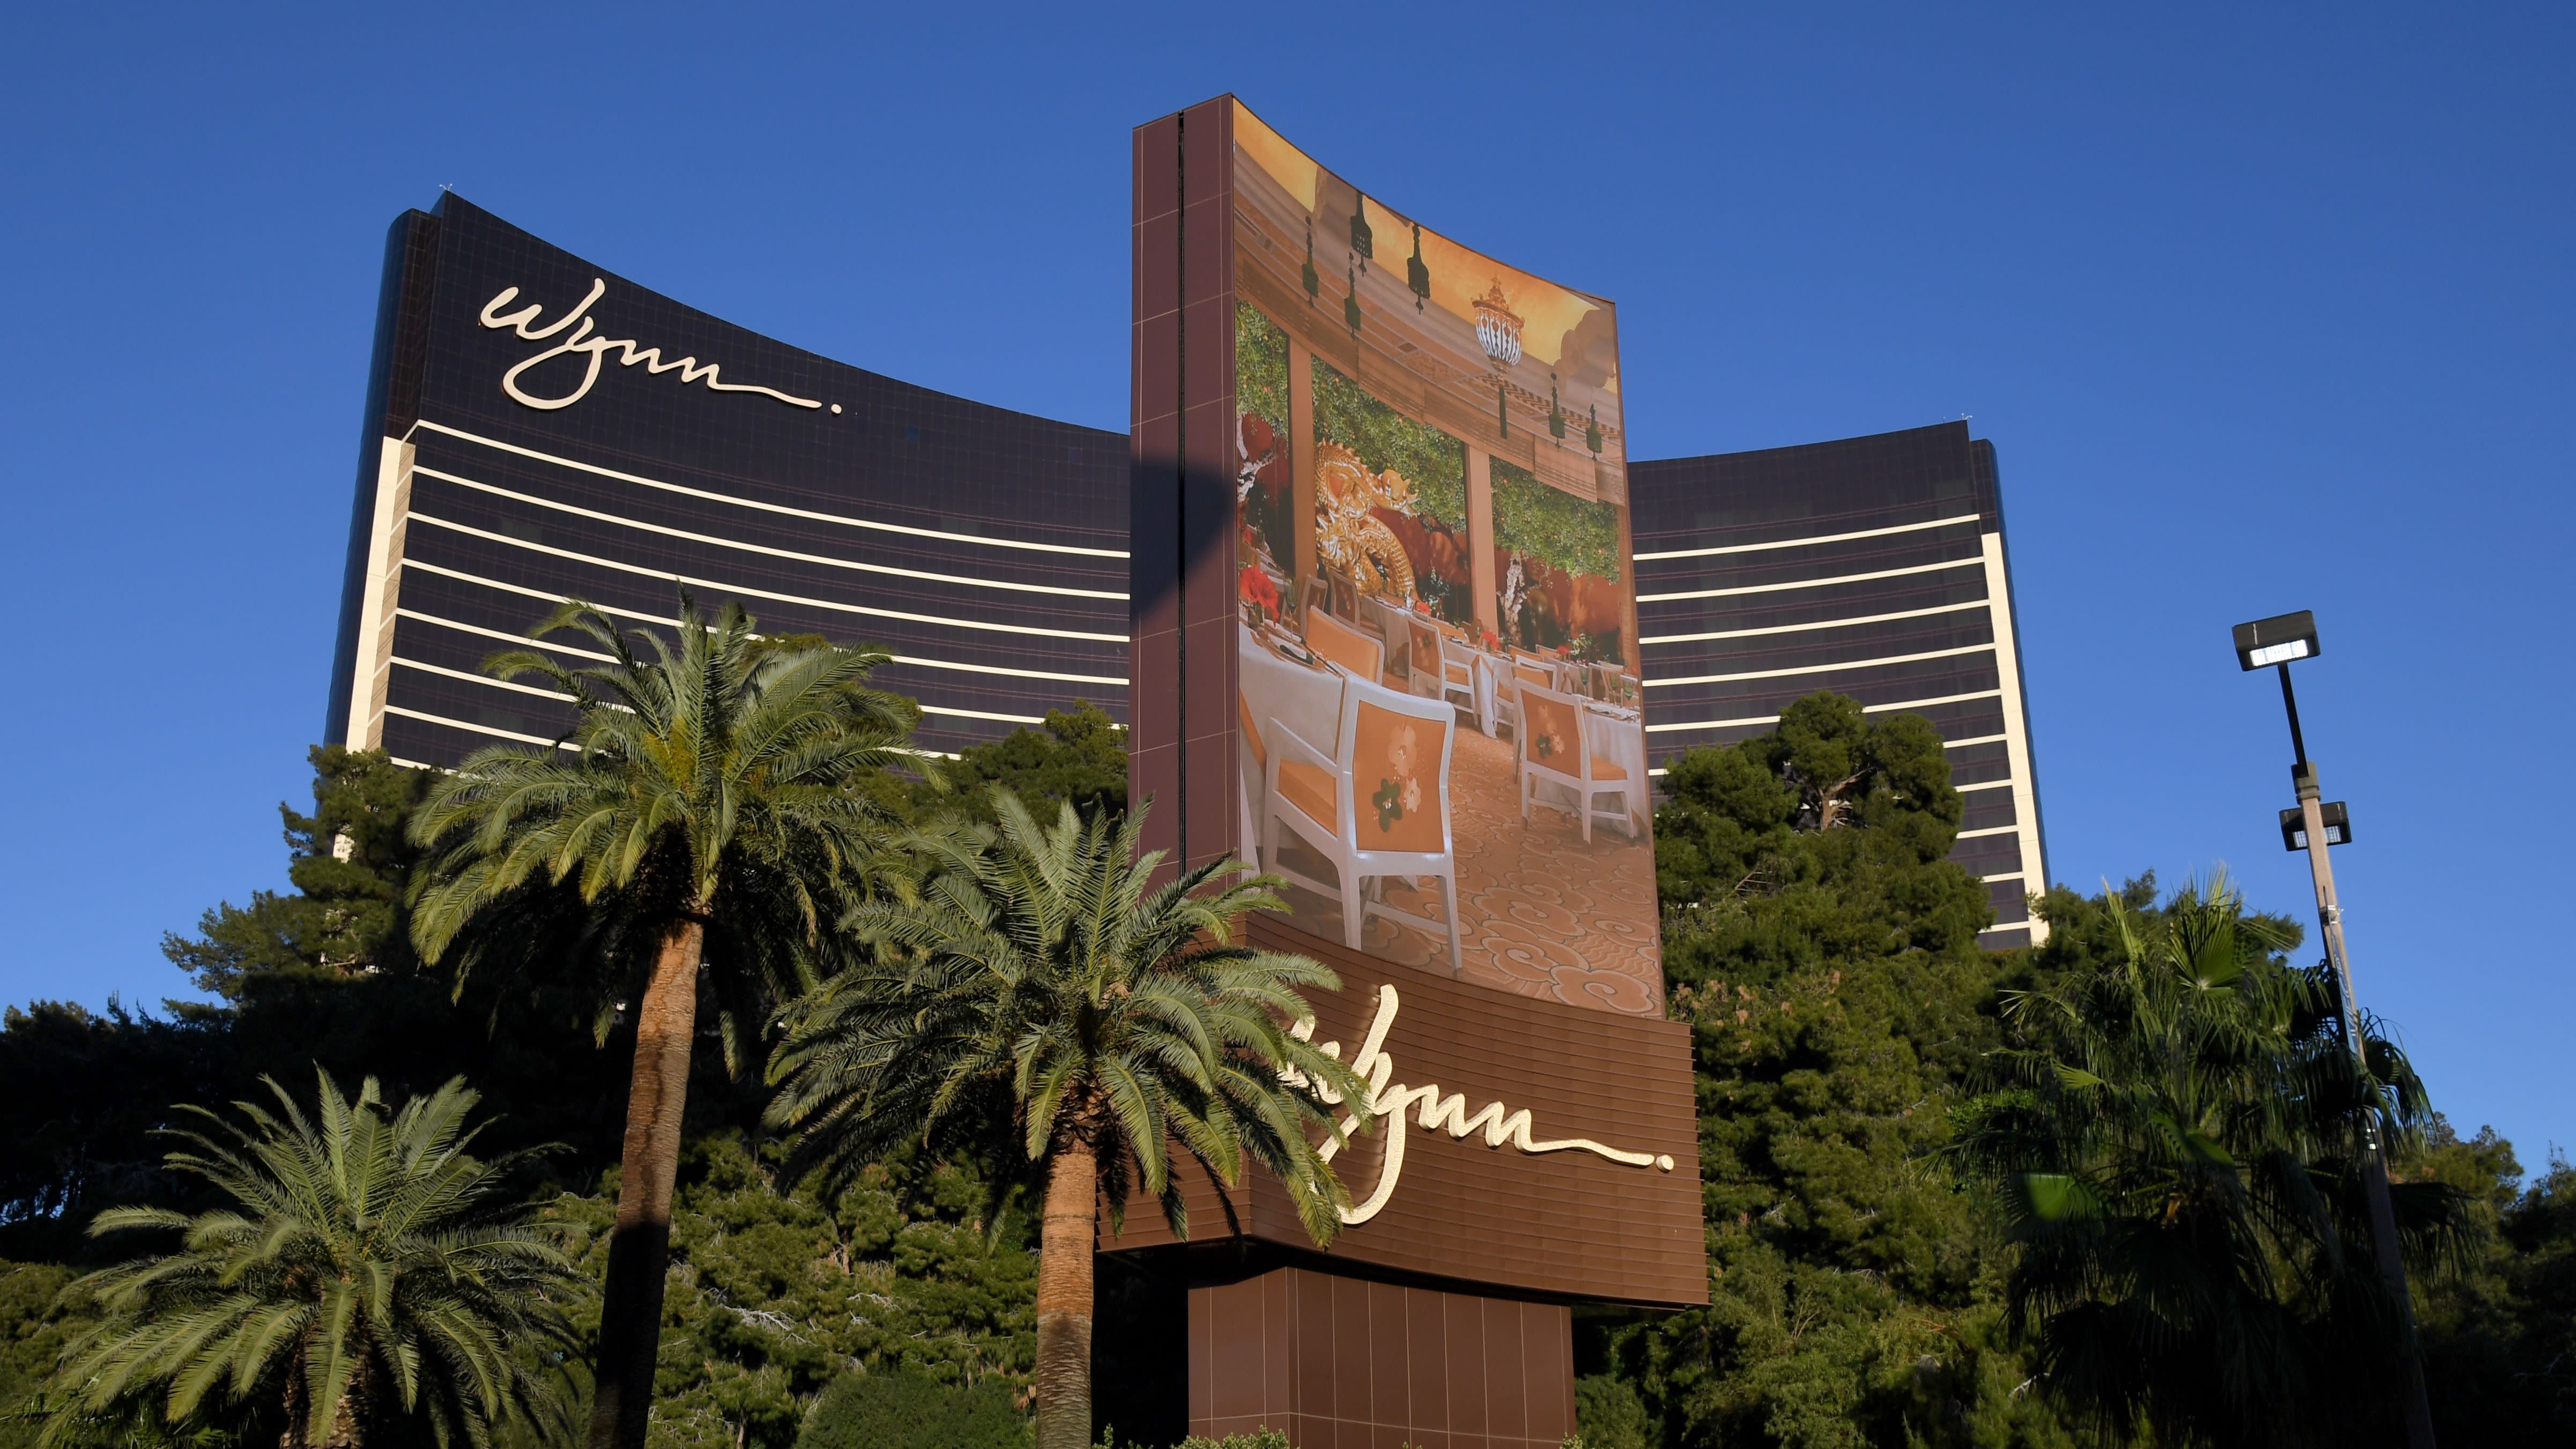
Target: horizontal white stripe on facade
1989	830
778	508
558	697
521	639
720	587
498	733
480	729
1763	719
1802	542
1964	563
716	541
1653	639
1945	744
1026	719
1820	668
471	677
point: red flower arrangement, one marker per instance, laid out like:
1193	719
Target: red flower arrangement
1255	587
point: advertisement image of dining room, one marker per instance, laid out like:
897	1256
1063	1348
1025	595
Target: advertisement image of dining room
1445	763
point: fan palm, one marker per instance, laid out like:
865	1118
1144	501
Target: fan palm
1035	975
2177	1155
712	790
370	1269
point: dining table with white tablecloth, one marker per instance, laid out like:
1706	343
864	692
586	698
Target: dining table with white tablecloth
1618	734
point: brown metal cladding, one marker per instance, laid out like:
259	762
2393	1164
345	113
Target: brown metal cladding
1333	1361
1209	521
1154	554
1565	1224
1182	653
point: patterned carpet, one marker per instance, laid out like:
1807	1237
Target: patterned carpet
1545	914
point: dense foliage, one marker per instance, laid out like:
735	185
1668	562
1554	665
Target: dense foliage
908	1411
776	1292
1824	953
1820	947
1078	757
1429	459
1578	535
1260	368
2176	1146
348	862
365	1272
703	822
1041	976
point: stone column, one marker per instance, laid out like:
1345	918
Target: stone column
1301	457
1480	536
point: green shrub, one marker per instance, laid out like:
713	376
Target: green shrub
908	1411
1264	1437
1610	1412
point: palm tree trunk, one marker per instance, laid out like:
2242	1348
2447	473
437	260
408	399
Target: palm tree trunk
1064	1299
344	1432
639	1249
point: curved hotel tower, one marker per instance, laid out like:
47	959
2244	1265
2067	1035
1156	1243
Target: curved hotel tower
539	428
1872	566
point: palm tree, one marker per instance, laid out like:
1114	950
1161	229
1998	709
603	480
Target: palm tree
1037	976
2176	1152
713	793
371	1270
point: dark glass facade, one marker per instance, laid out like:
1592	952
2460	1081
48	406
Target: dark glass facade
620	451
1871	566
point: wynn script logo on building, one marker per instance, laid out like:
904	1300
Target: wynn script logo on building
584	339
1388	1100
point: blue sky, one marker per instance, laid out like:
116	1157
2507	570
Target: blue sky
2261	311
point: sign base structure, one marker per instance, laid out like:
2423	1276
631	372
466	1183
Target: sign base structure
1214	1341
1332	1360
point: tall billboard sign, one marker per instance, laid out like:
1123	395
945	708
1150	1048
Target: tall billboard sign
1384	644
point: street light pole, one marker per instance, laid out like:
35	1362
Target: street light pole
2255	649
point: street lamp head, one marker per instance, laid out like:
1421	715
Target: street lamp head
2294	826
2277	640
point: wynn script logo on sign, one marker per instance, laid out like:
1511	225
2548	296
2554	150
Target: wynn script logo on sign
1388	1100
584	339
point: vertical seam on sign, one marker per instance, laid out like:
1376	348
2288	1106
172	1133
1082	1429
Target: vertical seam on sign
1181	492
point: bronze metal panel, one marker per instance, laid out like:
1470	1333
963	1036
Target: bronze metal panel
1375	1363
1202	1340
1549	1339
1155	548
1351	1357
1279	1336
1426	1360
1465	1319
1384	1365
1567	1225
1390	1367
1506	1410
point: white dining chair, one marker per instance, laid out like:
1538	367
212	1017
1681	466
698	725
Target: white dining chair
1423	669
1507	688
1457	683
1555	749
1377	807
1362	655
